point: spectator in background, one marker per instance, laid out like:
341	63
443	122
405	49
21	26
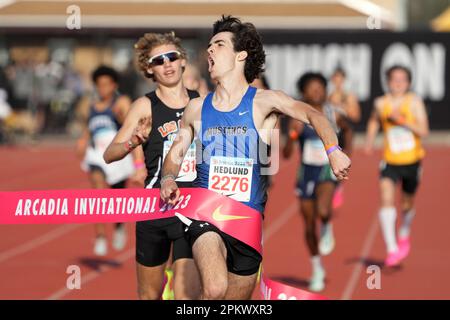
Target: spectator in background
21	75
47	76
5	108
67	91
42	95
17	80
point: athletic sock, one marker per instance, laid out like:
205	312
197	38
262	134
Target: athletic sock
326	228
387	217
316	263
405	228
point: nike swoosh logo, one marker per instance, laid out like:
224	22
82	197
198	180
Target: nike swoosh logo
242	113
218	216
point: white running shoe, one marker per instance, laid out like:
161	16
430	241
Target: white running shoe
100	247
326	243
317	281
119	238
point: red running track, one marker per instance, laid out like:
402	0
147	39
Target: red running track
34	259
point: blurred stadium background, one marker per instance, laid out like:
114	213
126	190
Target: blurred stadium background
46	91
45	66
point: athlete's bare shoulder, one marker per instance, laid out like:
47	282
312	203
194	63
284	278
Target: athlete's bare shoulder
195	104
193	110
417	105
415	98
265	98
140	108
268	94
378	103
142	102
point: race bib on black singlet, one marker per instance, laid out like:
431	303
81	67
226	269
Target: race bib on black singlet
231	177
188	171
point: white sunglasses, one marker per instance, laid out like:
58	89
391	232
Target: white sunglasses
158	59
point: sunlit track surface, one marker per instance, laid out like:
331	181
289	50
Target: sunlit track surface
34	259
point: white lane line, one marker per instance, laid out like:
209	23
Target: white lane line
285	216
36	242
367	246
92	275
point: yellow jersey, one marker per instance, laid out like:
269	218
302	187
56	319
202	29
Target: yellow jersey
401	145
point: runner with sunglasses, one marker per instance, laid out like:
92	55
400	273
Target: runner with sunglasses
150	127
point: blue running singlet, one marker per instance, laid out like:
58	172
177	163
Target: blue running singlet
232	155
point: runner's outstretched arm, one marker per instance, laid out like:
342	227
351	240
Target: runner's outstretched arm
280	102
171	167
134	131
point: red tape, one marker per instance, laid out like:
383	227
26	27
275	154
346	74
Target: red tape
129	205
274	290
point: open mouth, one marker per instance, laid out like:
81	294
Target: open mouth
211	62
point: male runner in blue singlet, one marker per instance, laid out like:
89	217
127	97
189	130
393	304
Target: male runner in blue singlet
233	123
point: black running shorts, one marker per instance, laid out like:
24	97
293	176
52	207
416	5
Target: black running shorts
242	259
154	239
408	175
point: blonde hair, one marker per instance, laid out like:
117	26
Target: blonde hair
150	41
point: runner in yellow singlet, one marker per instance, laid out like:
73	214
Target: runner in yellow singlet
404	123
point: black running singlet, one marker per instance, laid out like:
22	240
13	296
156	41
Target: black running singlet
165	126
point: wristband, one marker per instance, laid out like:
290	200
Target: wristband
139	164
401	120
166	177
293	135
129	146
332	148
81	142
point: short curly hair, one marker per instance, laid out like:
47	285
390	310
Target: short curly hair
306	78
150	41
105	71
245	38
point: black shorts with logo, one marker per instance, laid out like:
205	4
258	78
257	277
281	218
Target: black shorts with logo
242	259
154	239
409	175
